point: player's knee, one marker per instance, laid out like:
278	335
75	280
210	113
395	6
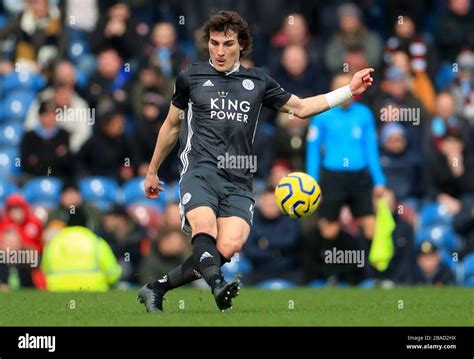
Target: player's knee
229	247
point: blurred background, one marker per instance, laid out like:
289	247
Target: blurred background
86	84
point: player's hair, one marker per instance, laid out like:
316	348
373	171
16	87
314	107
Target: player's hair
228	21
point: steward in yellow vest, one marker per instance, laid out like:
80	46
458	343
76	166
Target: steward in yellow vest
77	260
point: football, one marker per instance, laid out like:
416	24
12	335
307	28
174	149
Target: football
298	195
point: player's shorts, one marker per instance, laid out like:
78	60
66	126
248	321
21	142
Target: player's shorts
205	187
346	187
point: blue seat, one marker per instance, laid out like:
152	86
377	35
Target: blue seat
6	189
276	284
433	213
102	192
11	135
468	263
133	194
43	191
317	283
9	162
442	236
23	80
16	104
239	265
172	193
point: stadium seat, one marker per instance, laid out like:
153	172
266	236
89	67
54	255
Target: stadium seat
317	283
43	191
171	195
8	157
434	213
442	236
11	135
102	192
23	80
16	104
6	189
133	194
464	271
238	266
276	284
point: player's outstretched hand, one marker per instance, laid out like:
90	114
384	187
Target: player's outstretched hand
361	81
152	186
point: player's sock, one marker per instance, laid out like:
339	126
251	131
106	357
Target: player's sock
207	258
185	273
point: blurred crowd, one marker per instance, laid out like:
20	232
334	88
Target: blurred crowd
85	86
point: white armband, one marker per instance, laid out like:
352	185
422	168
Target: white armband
338	96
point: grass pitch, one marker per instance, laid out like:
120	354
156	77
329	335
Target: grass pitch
295	307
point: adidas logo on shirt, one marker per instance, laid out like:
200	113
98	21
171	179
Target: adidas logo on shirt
205	255
208	83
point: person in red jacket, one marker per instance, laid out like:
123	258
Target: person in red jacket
18	214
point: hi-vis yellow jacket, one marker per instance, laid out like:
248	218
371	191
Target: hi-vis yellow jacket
78	260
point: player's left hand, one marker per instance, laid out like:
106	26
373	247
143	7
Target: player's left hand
361	81
379	191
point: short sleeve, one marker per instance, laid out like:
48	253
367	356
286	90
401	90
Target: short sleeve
181	90
275	96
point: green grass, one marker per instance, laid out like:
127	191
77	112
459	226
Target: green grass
296	307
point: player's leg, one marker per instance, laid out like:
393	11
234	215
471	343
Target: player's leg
200	204
232	234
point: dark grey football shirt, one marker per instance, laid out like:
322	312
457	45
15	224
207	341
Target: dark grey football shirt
221	117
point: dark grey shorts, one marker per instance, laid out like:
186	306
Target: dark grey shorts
204	187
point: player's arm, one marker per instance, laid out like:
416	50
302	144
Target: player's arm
167	137
310	106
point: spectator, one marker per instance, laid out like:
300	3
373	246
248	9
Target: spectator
352	32
111	143
73	211
274	243
165	52
421	54
418	81
449	171
402	168
430	268
447	121
290	140
14	275
18	216
294	32
124	237
463	86
45	151
110	84
147	127
119	30
77	119
168	249
38	35
455	30
298	75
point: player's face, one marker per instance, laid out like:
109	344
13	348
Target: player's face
224	50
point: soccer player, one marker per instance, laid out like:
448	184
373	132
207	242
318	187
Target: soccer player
214	112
